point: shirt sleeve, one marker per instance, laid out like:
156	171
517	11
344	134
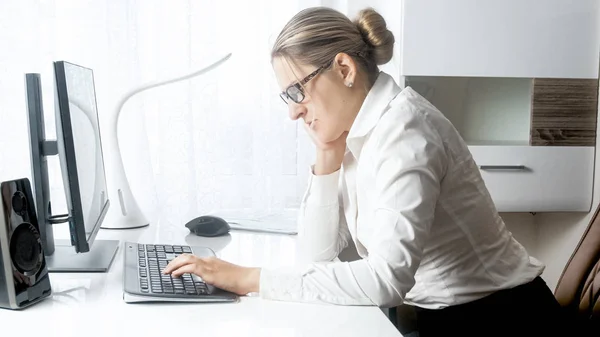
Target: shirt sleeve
410	163
322	229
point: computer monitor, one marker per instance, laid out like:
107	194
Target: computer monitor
79	148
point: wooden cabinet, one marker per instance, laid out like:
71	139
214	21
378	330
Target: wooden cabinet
533	139
519	81
564	112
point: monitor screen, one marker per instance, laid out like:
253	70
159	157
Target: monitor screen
80	152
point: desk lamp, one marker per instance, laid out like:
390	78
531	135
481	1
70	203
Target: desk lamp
126	212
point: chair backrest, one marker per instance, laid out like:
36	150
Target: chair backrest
578	288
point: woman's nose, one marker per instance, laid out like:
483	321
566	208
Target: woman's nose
296	110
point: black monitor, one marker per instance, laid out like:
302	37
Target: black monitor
79	148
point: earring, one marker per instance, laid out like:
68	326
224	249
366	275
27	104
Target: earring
349	84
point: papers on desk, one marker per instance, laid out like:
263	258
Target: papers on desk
280	222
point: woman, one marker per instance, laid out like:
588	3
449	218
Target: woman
393	175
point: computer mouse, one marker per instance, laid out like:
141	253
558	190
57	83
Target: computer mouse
208	225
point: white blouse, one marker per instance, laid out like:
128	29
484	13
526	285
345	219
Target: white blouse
411	198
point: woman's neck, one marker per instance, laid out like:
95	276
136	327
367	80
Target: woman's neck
358	95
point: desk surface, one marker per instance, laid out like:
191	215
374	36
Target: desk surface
92	303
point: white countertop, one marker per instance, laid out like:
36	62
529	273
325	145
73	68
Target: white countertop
91	304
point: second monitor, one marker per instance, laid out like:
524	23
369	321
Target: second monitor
79	147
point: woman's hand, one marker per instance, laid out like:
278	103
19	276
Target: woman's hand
329	155
337	145
216	272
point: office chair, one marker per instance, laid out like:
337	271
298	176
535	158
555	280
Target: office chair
578	288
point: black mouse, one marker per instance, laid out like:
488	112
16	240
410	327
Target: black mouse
208	225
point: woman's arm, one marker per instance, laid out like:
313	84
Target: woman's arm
323	232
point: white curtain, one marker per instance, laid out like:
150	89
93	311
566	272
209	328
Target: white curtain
220	141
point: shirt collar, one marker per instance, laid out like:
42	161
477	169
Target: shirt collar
375	104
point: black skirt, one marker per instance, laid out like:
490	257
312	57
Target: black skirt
526	310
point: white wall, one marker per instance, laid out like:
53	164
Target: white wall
522	227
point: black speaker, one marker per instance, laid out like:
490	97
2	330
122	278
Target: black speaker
24	276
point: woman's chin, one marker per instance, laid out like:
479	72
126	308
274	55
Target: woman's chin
325	139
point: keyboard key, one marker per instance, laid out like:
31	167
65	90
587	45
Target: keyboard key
169	250
142	263
150	248
186	249
140	247
141	254
179	291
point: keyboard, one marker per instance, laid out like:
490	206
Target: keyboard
143	280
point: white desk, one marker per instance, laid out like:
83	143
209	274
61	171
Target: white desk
91	303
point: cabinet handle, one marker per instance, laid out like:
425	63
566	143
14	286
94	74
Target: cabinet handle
503	167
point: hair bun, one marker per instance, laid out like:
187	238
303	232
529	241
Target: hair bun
374	31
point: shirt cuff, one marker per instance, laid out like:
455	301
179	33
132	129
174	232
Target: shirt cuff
323	189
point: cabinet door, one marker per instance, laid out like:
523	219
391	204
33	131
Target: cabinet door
508	38
537	178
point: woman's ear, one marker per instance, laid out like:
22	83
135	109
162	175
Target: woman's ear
346	68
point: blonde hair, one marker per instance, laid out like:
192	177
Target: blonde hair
316	35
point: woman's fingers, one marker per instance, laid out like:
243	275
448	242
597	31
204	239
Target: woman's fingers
178	262
188	268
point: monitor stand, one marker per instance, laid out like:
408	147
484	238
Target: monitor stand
98	259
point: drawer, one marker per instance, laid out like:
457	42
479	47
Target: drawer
537	178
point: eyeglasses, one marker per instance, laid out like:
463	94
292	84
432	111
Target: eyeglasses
295	92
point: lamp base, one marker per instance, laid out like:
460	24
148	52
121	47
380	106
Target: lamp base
116	220
123	222
129	226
